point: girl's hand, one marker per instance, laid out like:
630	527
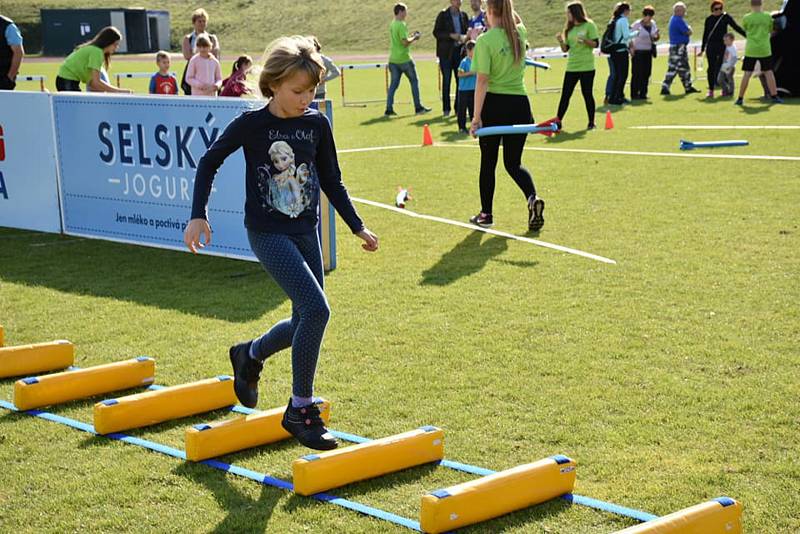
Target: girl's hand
370	240
191	236
475	126
560	38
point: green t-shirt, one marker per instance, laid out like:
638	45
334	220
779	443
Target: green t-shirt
581	56
79	65
494	57
758	26
398	53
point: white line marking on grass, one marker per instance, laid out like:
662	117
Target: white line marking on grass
376	148
666	154
56	242
485	230
590	151
709	127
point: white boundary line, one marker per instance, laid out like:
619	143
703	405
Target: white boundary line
376	148
709	127
485	230
589	151
666	154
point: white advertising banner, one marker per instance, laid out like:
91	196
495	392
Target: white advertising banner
28	165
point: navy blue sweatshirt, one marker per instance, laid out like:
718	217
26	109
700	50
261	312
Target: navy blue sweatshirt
287	161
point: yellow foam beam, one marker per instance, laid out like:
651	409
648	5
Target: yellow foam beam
319	472
153	407
497	494
722	515
210	440
45	390
22	360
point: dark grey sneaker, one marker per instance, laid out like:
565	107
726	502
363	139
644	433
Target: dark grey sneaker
484	220
535	214
306	425
421	111
246	372
691	90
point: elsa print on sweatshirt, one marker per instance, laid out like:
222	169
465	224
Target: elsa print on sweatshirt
285	186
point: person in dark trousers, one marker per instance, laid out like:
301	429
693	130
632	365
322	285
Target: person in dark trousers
620	56
466	89
501	100
643	47
11	53
579	38
450	30
714	31
290	160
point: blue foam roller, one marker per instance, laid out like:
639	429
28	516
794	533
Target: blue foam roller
516	129
538	64
689	145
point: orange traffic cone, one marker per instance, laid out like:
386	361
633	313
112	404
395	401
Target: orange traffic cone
609	121
427	138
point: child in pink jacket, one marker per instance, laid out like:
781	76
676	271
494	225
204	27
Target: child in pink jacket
203	72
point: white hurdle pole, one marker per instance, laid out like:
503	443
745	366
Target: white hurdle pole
121	75
362	66
34	78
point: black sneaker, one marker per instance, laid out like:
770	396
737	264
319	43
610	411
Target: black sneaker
535	214
591	126
307	426
664	90
484	220
389	113
246	372
739	102
690	90
777	100
422	110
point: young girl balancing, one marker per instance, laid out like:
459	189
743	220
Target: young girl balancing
500	100
284	240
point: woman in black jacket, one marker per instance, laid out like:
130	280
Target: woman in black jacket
716	27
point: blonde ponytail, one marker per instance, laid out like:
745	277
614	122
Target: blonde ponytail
504	10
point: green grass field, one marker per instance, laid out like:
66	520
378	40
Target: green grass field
670	377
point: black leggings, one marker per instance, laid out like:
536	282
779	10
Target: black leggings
642	68
620	60
62	84
570	81
504	110
714	58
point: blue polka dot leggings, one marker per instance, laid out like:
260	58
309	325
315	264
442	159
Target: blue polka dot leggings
295	263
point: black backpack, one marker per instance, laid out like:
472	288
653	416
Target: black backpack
607	43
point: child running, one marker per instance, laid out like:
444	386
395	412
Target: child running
285	242
501	100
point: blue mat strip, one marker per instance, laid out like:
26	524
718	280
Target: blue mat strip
482	471
222	466
609	507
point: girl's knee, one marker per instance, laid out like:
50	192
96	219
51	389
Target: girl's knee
319	312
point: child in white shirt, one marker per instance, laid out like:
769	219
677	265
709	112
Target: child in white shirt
725	77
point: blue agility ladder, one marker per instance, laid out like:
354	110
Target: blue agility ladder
268	480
